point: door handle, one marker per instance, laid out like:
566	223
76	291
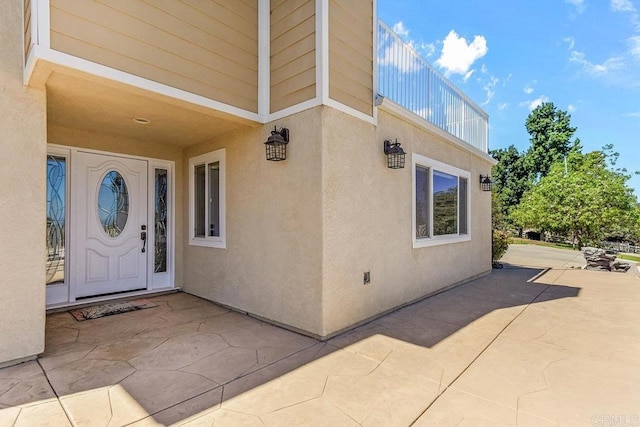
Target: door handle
143	237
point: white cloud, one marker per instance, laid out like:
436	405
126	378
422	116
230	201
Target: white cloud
635	114
579	4
400	29
627	6
621	70
393	53
425	49
503	106
489	88
529	88
634	49
458	56
622	6
571	41
571	108
532	104
484	69
468	75
610	65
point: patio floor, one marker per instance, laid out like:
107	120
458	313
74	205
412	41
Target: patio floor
561	349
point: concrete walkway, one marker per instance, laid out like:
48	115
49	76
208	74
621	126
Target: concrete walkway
522	346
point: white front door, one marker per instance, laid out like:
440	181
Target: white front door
109	224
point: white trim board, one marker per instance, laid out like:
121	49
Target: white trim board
205	160
43	22
322	50
264	58
374	57
351	111
432	165
83	65
41	51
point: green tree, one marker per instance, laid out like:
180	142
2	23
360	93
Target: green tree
550	136
630	231
510	180
587	202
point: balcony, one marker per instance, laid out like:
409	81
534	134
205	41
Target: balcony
407	79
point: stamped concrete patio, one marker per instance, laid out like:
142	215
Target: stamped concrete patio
521	346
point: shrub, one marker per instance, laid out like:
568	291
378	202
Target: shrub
500	243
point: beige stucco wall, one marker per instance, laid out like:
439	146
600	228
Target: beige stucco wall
22	197
272	265
301	233
367	210
115	144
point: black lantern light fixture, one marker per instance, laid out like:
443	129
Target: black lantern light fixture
485	182
276	144
395	154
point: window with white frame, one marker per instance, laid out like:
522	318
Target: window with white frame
440	203
207	200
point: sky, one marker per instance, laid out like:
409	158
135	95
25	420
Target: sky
509	56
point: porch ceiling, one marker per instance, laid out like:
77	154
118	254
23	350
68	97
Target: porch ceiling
98	105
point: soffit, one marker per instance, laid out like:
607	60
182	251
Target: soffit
103	106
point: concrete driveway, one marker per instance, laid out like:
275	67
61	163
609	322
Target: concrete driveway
541	256
521	346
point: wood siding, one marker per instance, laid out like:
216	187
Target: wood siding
351	53
27	29
206	47
293	52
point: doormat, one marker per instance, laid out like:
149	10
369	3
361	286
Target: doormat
97	311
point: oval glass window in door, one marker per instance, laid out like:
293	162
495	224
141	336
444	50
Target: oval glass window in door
113	203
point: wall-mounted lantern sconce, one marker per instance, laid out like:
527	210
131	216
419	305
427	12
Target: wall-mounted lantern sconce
276	144
485	182
395	154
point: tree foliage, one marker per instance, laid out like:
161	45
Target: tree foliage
510	179
550	133
552	186
587	202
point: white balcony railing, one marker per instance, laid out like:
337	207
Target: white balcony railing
409	80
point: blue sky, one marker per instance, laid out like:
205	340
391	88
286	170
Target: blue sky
508	56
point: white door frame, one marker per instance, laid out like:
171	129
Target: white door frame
64	294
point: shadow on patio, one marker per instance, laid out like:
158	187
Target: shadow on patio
189	360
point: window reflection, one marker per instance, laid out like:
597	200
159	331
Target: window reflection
445	203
